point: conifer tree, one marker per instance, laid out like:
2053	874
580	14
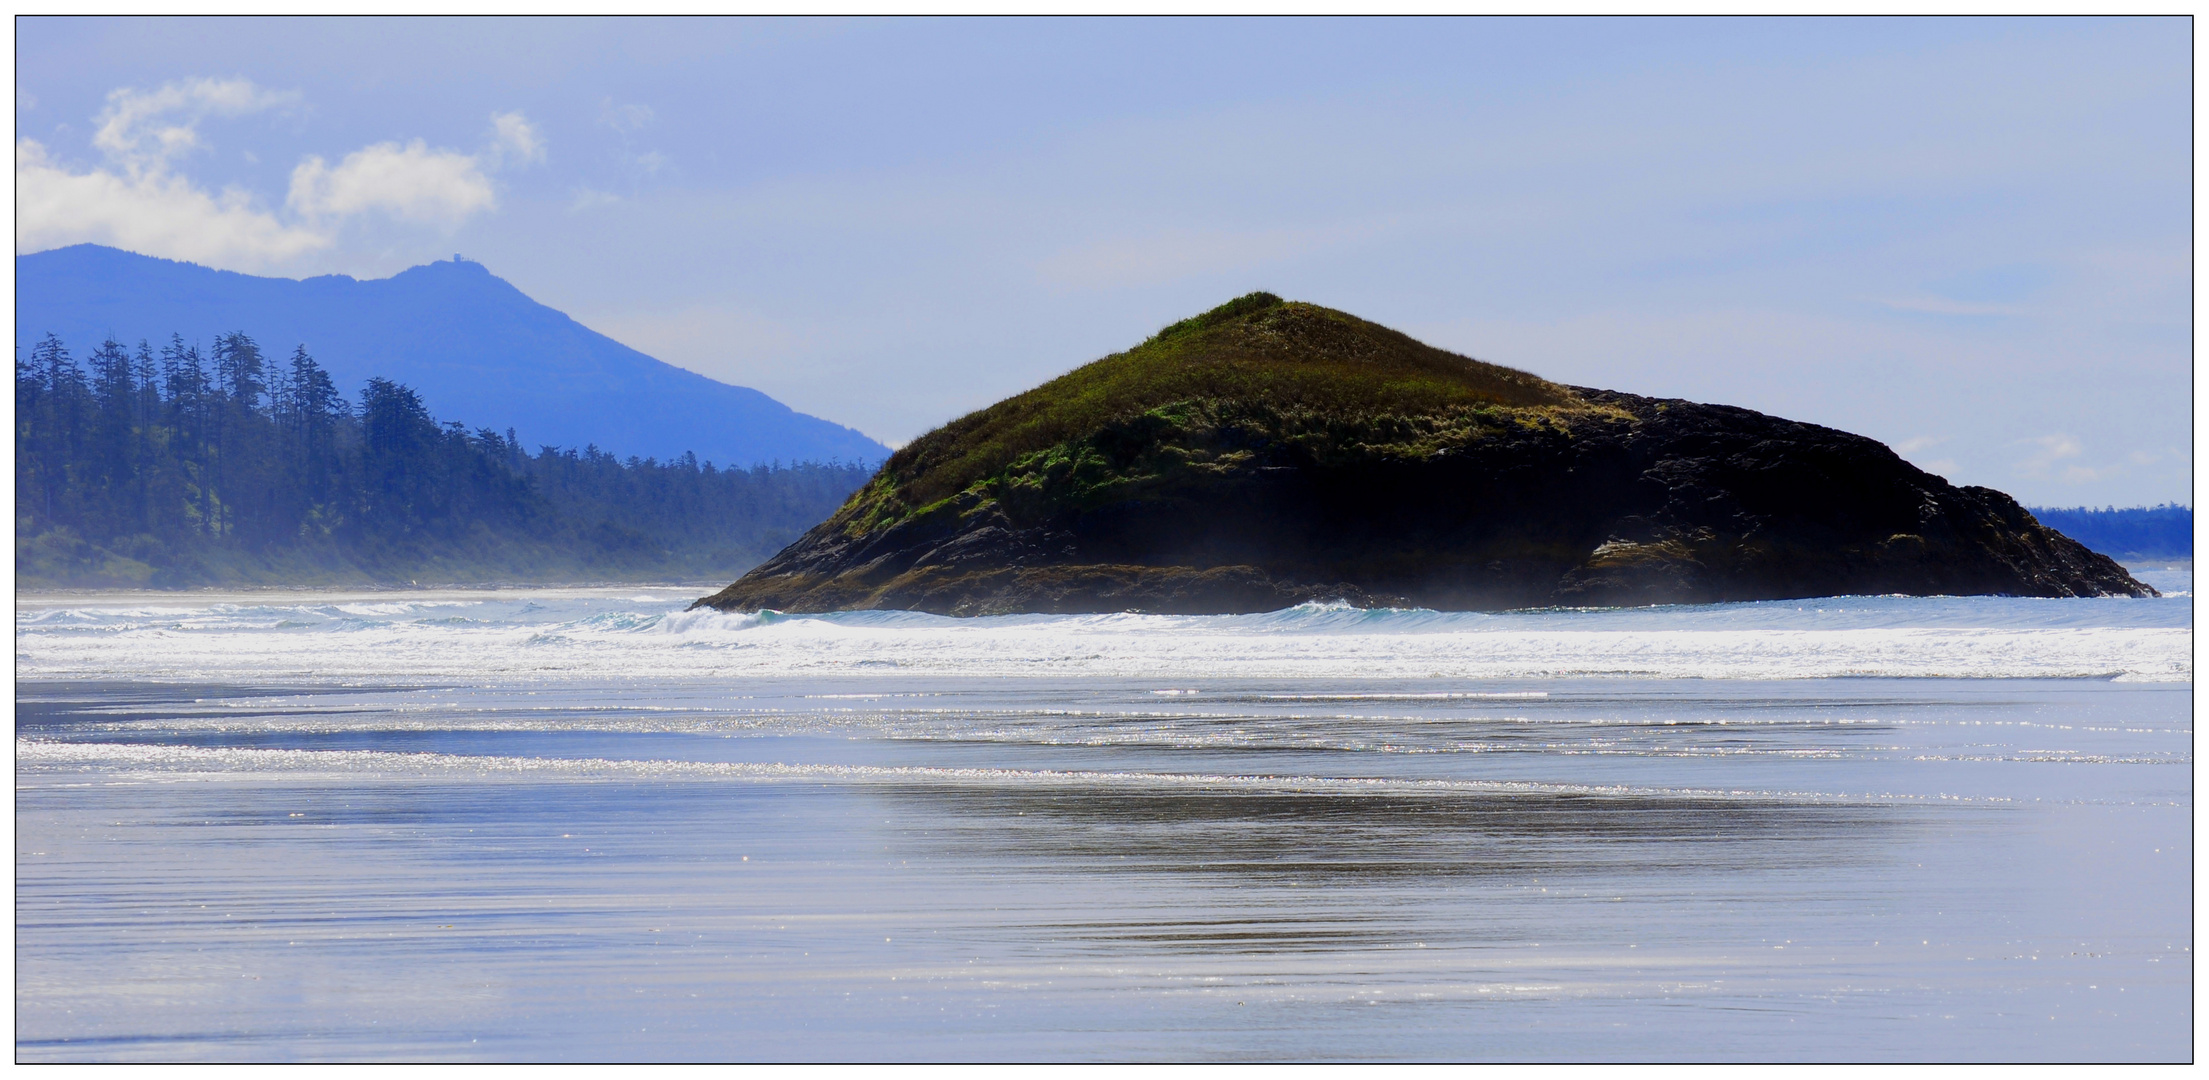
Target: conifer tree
154	459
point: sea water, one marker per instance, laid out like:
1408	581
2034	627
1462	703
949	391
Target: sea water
564	824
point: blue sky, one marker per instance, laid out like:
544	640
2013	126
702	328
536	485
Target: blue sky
1970	239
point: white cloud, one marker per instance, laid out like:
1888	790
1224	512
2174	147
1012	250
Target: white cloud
513	136
410	183
627	120
589	198
154	212
2053	448
623	118
1911	446
2058	450
140	132
141	200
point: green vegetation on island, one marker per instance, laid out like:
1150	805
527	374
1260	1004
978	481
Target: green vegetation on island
1267	453
177	468
1198	396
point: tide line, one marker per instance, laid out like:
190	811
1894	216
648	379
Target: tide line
195	762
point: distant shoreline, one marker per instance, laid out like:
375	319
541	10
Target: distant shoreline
339	590
2157	564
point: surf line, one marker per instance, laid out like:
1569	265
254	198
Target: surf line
212	763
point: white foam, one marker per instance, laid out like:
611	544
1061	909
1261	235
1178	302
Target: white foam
578	635
161	761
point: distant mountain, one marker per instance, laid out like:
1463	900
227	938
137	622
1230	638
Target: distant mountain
475	347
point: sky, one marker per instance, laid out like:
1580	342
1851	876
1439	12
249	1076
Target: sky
1968	239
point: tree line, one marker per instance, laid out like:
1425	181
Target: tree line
2143	532
179	466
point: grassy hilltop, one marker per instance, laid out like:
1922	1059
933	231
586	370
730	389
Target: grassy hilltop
1201	396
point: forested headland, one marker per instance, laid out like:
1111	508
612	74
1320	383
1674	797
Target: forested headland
175	468
2140	532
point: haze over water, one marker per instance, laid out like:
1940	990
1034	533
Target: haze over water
585	824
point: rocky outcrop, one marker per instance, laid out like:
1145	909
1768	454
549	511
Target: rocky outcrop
1515	493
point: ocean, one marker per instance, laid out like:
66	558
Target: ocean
586	824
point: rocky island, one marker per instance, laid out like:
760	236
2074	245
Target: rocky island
1268	453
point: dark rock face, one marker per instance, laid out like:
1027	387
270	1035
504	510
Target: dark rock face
1635	501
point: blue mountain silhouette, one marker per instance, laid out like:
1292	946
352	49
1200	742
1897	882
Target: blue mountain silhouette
476	348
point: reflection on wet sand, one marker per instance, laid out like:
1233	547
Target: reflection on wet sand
1080	870
1348	838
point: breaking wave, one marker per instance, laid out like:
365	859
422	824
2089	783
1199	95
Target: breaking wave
627	633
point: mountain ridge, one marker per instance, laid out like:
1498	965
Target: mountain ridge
474	345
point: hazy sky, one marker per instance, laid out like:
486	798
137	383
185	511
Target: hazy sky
1970	239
